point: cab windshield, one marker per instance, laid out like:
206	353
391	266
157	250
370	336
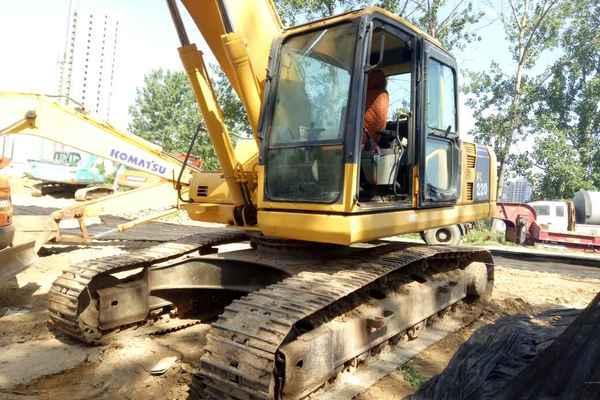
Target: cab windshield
304	159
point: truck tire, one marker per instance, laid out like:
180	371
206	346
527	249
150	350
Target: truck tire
521	238
448	235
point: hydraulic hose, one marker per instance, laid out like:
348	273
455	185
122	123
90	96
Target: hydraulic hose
185	161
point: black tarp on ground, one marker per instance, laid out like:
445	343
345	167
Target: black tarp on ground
569	368
524	357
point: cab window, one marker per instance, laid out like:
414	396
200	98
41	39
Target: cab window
304	157
441	182
542	210
399	88
387	121
441	105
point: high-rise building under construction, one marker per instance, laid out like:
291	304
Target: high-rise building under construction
87	68
88	64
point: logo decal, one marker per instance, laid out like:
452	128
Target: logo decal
138	162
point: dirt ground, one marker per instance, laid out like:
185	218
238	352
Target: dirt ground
36	363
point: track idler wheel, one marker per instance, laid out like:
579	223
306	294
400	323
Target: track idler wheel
479	280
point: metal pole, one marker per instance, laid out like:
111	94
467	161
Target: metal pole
176	17
225	16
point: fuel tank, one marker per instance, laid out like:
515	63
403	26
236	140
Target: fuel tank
587	207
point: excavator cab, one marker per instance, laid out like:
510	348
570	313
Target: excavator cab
314	121
315	151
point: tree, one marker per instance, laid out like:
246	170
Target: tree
531	27
455	28
235	115
566	111
562	173
451	22
293	12
571	95
165	112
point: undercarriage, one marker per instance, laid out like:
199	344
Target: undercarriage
299	315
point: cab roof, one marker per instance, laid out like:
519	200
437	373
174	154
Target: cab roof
355	14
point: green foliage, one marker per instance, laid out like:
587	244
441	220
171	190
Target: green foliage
165	113
532	26
412	376
233	109
566	103
563	173
503	101
455	29
485	237
110	177
410	236
569	102
452	22
491	96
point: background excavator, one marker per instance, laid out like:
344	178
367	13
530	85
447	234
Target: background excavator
319	289
148	169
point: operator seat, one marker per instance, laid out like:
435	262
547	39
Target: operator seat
376	106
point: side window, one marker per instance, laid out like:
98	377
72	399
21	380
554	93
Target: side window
560	211
399	89
441	156
439	167
542	210
441	105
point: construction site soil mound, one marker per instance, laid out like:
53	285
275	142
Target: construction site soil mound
552	355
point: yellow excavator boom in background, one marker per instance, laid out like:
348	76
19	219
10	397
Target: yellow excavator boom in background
41	116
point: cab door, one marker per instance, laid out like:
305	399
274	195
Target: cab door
439	142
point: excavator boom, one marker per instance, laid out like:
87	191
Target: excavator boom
239	34
41	116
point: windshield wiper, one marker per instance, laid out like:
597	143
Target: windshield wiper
314	43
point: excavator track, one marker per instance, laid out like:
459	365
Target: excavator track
70	287
279	342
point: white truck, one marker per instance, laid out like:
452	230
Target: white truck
582	215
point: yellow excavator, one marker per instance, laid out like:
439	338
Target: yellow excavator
149	169
319	289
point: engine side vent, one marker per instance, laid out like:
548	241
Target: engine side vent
202	191
469	191
470	155
469	160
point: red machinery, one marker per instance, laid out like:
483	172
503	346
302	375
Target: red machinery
7	229
522	228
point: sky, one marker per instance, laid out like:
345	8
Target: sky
147	40
32	37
